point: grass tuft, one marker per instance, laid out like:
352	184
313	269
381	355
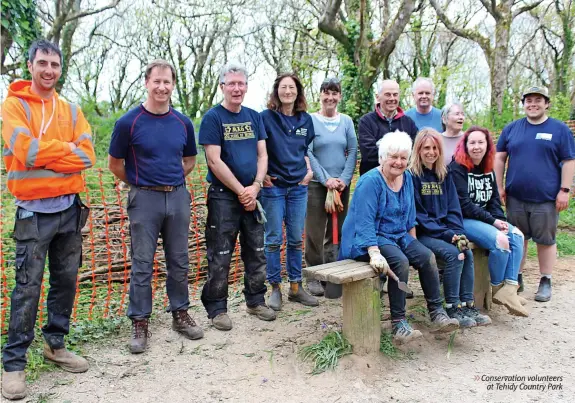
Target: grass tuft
327	352
387	347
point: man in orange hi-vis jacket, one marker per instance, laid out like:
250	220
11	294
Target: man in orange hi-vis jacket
47	145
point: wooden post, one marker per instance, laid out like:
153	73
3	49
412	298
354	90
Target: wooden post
482	286
362	315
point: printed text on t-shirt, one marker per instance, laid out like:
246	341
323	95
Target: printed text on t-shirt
431	188
480	188
238	131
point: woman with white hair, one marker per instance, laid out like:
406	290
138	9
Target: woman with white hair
380	228
452	119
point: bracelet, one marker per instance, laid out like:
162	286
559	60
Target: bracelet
260	183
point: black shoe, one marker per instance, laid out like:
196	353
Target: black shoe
471	311
544	291
301	296
520	281
455	312
315	288
275	300
333	291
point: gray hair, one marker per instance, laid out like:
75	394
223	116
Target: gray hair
233	67
445	112
385	82
421	80
394	142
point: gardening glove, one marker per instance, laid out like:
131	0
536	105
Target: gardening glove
337	201
378	262
260	213
330	201
462	243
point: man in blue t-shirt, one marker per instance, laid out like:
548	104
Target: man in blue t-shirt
424	114
234	140
541	153
153	149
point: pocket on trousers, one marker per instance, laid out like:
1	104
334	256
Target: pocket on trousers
131	196
83	214
26	229
21	257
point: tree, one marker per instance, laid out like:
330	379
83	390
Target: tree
496	52
363	57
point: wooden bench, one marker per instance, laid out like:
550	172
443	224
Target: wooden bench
361	300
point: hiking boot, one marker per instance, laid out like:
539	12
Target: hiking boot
183	323
140	336
403	332
471	311
297	294
14	385
222	322
455	312
441	322
65	359
544	291
263	312
315	288
275	299
520	281
496	288
507	295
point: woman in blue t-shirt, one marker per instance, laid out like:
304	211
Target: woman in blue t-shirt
289	130
484	221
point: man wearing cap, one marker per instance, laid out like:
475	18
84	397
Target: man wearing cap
541	153
424	114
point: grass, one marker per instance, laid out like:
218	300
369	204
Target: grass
326	354
387	347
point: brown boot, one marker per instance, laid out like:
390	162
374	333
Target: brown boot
183	323
140	336
14	385
65	359
298	294
507	295
495	288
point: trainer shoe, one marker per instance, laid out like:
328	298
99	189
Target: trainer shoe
441	322
403	332
455	312
471	311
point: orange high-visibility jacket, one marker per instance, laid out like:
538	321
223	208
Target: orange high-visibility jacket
42	165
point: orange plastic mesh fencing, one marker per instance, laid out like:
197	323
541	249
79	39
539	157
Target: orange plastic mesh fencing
103	278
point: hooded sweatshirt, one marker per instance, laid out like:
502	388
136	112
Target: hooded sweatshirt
288	138
372	127
41	165
438	212
478	195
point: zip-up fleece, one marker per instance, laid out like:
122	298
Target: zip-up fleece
437	207
41	165
373	126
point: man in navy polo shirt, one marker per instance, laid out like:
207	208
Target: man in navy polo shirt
153	149
234	139
541	154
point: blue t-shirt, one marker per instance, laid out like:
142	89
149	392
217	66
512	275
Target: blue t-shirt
431	119
287	143
153	146
237	134
535	155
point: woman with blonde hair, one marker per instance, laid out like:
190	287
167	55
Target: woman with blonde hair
440	227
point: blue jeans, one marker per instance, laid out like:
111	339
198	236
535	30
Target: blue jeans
284	205
457	274
503	263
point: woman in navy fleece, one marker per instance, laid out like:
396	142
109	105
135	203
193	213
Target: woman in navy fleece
289	130
440	226
484	221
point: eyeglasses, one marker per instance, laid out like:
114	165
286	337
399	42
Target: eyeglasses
240	85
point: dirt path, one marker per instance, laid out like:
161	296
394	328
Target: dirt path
257	361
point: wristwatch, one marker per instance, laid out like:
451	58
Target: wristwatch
566	190
259	183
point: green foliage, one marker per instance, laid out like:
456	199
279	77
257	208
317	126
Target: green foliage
327	352
560	107
102	120
387	347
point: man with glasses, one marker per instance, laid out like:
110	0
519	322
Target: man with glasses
234	140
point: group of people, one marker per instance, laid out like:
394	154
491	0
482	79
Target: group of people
426	189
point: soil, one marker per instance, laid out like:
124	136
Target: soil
258	361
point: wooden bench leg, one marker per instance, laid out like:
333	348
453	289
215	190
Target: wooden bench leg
362	315
482	284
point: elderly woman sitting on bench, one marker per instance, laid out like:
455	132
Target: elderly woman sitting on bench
379	228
